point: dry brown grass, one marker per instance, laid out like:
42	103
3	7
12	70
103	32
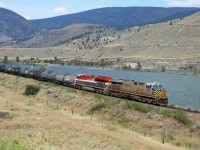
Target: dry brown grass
38	123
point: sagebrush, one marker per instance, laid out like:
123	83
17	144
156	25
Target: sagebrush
31	90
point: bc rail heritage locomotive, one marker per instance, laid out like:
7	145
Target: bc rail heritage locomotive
153	93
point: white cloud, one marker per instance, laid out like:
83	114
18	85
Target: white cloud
2	4
60	10
183	3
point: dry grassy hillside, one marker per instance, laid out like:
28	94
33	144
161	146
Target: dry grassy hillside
175	39
57	37
192	20
47	122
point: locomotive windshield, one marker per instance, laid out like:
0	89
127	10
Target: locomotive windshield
157	86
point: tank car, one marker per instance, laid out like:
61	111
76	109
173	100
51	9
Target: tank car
65	79
35	74
25	72
69	80
44	75
15	70
2	68
8	69
51	77
59	78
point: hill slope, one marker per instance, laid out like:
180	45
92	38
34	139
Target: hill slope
176	39
116	17
61	36
13	26
47	122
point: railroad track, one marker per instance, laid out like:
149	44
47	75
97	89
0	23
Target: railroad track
175	107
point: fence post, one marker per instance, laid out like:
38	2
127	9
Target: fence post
190	146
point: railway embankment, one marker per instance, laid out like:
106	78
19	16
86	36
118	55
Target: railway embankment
61	117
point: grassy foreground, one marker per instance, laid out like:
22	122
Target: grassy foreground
64	118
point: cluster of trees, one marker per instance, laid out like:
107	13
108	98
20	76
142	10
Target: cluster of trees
55	61
5	60
101	63
190	67
32	60
129	68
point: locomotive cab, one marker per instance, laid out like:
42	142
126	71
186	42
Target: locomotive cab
159	93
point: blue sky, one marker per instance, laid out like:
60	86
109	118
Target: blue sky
35	9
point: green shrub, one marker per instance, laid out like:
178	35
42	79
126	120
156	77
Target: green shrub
163	68
70	90
137	106
97	107
165	112
142	107
122	119
127	105
84	92
12	145
31	90
98	96
4	114
110	128
181	116
49	84
177	114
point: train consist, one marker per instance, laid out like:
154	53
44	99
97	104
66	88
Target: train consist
139	91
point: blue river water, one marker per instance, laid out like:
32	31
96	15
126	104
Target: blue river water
183	90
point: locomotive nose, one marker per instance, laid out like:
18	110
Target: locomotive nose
160	94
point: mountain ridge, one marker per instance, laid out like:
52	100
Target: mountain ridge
13	26
115	17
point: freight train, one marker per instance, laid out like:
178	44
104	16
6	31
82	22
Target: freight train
153	93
